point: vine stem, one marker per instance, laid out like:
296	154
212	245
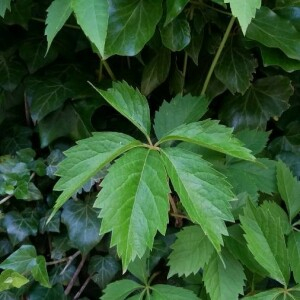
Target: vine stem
62	260
83	287
217	56
5	199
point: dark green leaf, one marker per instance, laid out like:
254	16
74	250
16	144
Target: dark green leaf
169	292
60	245
8	296
294	254
5	246
4	5
174	8
194	47
39	292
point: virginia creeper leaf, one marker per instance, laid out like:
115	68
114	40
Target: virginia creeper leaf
4	5
169	292
210	134
224	280
58	13
191	242
10	279
294	254
86	159
92	16
186	108
174	8
269	295
134	202
130	103
204	193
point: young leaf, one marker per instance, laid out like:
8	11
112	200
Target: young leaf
86	159
92	16
294	254
174	8
289	189
169	292
224	279
58	13
10	279
203	192
265	239
244	10
4	5
193	244
120	290
134	202
130	103
186	108
209	134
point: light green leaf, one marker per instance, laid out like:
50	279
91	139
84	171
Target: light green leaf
140	267
58	13
156	72
289	189
92	16
174	8
86	159
169	292
120	290
10	279
82	224
187	109
235	68
4	5
134	202
294	254
131	25
265	239
193	244
39	272
274	31
244	10
210	134
224	279
130	103
204	193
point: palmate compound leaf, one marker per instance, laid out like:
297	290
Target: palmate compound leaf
265	239
294	254
191	242
210	134
204	192
169	292
130	103
134	202
86	159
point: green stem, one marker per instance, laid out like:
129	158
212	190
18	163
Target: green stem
217	56
108	69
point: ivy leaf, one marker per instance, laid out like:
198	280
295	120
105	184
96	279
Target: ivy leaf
130	103
124	37
134	202
174	8
267	97
294	254
38	292
4	5
289	189
265	240
39	271
191	242
187	109
235	68
244	10
203	192
169	292
87	159
274	31
82	223
120	290
10	279
224	279
209	134
58	13
156	72
92	16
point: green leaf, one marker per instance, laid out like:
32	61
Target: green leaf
169	292
134	202
10	279
119	290
156	71
86	159
244	10
294	254
4	5
38	292
204	193
187	109
124	37
224	279
268	295
193	244
82	223
58	13
210	134
39	272
130	103
267	97
92	16
274	31
265	240
140	267
174	8
289	189
235	68
176	35
60	245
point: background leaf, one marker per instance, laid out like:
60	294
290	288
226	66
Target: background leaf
4	5
174	8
